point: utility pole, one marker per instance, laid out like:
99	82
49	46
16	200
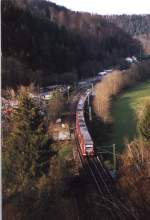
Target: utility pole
141	45
140	54
68	92
114	156
39	99
92	88
90	113
88	100
89	108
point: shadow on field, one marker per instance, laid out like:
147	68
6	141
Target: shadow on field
122	128
124	125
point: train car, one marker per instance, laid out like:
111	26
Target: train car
79	122
84	138
87	149
83	135
80	105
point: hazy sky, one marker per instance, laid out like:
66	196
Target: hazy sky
108	6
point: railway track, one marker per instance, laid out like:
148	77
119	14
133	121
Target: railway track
109	191
115	208
92	174
105	185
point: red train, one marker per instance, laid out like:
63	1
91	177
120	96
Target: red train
84	138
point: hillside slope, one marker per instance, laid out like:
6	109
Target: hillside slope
55	41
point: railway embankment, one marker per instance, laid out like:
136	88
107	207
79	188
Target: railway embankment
112	87
129	91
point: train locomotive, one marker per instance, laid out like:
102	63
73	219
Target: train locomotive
83	135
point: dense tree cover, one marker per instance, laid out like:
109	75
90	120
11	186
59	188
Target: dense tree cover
38	42
133	24
15	72
54	40
27	148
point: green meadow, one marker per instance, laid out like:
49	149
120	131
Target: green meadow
124	111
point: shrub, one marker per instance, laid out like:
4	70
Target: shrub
144	122
113	84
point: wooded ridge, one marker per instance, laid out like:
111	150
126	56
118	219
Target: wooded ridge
55	43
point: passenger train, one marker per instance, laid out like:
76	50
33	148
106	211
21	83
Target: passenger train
83	135
84	138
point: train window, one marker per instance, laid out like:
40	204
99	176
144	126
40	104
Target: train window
89	146
82	125
81	121
86	132
80	116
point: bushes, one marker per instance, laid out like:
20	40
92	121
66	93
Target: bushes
134	168
113	84
109	87
134	173
144	122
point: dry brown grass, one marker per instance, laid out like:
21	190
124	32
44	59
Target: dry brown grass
112	85
105	90
134	167
145	40
135	172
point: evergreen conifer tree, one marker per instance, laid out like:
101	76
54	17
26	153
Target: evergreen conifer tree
27	148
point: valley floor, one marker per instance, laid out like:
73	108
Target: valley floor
123	110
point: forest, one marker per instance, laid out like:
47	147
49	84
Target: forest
47	44
132	24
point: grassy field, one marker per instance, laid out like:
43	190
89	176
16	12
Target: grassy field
124	109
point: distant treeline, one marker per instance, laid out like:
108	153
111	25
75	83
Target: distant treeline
46	44
132	24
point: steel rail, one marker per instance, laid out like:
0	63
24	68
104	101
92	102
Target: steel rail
100	176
